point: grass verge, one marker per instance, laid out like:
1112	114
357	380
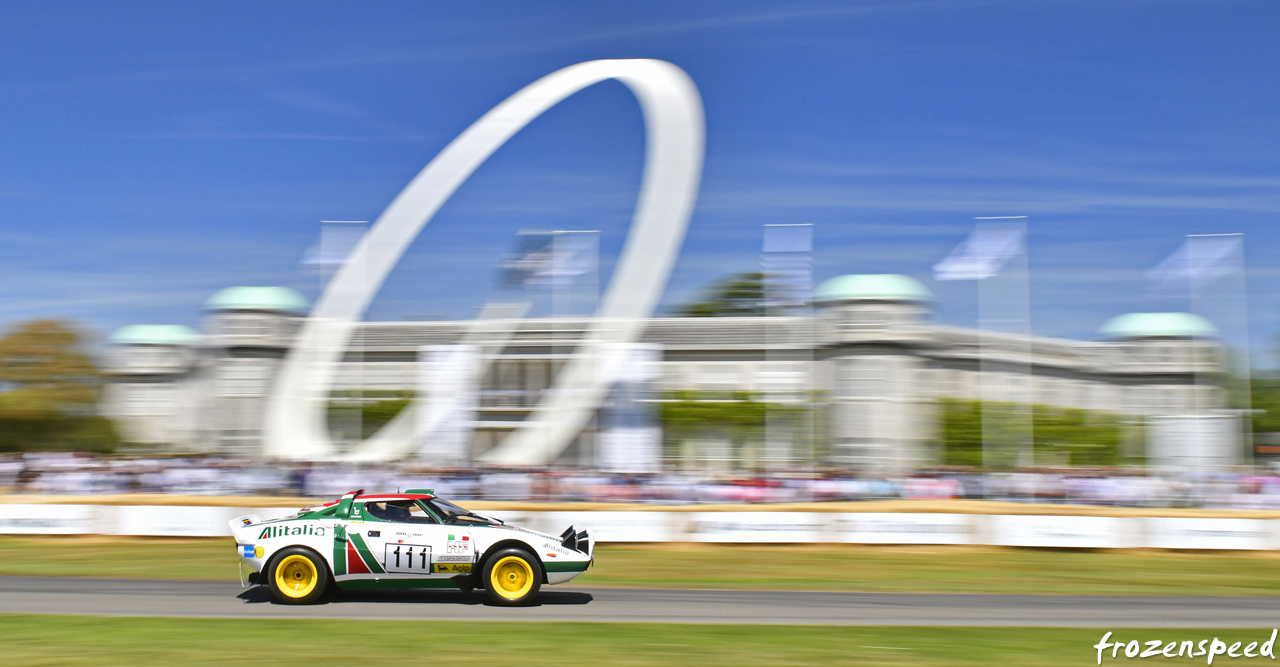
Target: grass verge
83	640
801	567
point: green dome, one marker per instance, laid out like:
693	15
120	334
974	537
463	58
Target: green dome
276	299
1158	325
155	334
880	287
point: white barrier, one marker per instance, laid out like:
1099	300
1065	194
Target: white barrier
49	519
1080	532
756	527
902	528
172	520
1169	533
183	521
609	526
761	527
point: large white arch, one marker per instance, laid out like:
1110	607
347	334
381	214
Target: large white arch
296	417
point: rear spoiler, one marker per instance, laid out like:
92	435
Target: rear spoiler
242	521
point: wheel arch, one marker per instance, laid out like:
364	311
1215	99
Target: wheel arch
275	556
510	544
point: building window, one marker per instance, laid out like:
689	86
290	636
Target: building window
148	400
244	325
719	377
781	378
238	378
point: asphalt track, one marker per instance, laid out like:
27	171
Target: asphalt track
212	599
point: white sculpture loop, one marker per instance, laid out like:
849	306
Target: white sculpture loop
296	424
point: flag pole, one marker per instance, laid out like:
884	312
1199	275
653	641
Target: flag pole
328	267
1248	360
983	255
1018	297
1246	416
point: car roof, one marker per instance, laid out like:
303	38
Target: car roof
384	497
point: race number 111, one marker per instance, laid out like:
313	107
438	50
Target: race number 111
407	558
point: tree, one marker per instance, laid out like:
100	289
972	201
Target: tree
49	390
738	295
1062	436
739	417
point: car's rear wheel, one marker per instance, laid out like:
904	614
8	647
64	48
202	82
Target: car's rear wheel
298	576
512	577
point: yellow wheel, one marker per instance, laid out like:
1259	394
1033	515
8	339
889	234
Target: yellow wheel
512	577
298	576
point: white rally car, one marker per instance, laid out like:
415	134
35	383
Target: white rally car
404	540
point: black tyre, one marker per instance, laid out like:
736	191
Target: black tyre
512	577
298	576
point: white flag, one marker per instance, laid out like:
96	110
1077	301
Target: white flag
556	262
1199	261
982	255
571	255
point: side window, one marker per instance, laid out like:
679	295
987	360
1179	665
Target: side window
419	515
399	511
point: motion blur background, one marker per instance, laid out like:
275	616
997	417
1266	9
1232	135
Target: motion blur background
975	297
941	249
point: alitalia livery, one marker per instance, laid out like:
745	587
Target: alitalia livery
404	540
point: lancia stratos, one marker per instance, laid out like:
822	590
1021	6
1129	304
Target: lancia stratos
404	540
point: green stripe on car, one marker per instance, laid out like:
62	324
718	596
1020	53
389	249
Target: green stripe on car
553	566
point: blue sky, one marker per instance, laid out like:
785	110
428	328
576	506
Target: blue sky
151	154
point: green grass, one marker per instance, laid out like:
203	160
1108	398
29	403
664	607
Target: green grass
122	558
104	642
956	570
819	568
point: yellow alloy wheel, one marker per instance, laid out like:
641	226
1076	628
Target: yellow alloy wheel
512	577
296	576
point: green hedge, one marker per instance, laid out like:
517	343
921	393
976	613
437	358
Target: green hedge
374	414
1062	436
63	434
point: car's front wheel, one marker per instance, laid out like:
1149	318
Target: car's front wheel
512	577
298	576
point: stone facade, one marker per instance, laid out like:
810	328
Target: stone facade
877	364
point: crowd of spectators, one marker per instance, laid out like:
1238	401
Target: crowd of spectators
77	474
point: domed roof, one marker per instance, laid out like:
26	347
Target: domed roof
876	287
275	299
155	334
1158	325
